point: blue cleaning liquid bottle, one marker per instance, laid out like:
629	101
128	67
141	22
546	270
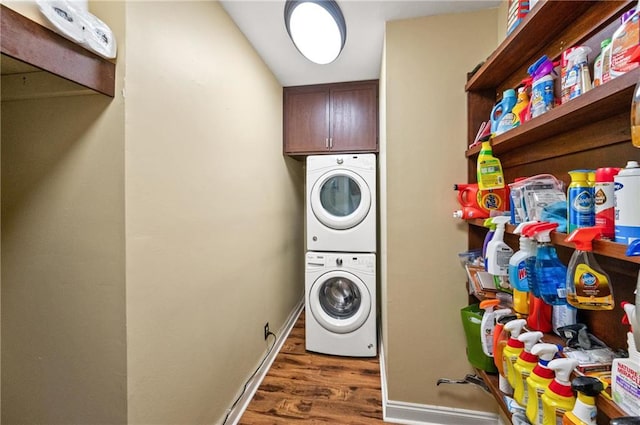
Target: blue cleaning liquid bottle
502	117
550	272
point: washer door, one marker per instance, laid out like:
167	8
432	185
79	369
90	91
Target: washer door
339	301
340	199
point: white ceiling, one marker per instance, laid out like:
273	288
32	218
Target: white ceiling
262	22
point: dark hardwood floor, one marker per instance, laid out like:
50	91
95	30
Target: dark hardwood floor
308	388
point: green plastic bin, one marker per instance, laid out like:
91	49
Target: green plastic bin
471	319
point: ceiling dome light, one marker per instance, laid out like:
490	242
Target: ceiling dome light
317	28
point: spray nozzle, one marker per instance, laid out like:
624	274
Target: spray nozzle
578	55
489	223
541	67
520	227
575	336
583	237
514	327
544	351
587	385
563	368
629	317
489	305
501	220
530	339
542	231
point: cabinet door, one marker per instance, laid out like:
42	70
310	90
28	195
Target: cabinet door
354	117
306	120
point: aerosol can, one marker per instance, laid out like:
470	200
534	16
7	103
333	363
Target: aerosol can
540	378
524	365
558	398
584	412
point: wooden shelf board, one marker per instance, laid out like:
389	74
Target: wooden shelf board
29	42
600	247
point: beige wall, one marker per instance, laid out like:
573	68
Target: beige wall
426	62
214	212
63	264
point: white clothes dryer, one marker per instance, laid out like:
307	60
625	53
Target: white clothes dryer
341	203
340	300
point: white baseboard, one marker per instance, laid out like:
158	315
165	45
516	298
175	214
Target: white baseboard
252	387
400	412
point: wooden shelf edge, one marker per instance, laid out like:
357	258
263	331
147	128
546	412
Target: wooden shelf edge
516	48
30	42
594	105
601	247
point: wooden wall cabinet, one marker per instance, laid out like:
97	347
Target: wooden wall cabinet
588	132
331	118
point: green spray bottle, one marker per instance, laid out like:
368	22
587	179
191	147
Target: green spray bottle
588	286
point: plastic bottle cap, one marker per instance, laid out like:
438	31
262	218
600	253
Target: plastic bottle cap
604	43
583	237
587	385
546	352
578	175
606	174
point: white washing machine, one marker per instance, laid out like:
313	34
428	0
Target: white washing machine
340	299
341	203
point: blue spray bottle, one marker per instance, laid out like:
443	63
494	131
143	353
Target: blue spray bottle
550	272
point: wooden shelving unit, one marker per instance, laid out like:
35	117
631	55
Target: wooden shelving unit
29	42
588	132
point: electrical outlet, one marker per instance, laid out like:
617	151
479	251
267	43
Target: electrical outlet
266	330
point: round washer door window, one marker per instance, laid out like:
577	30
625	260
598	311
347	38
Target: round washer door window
340	199
340	302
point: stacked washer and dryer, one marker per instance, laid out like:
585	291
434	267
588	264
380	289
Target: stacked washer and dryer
340	271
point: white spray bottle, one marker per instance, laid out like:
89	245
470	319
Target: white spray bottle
487	325
498	252
578	77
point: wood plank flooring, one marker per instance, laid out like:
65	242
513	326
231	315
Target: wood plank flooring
309	388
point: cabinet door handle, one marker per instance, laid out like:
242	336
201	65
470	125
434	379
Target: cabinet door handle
330	142
326	142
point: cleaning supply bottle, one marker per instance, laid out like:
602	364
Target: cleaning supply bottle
502	117
549	271
489	169
624	46
540	313
601	64
542	99
511	351
488	223
500	337
558	398
580	211
498	252
539	379
487	325
524	365
633	250
518	270
627	218
469	195
578	80
635	117
522	103
603	200
584	411
625	373
588	285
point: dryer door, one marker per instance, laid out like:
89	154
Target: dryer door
339	301
340	199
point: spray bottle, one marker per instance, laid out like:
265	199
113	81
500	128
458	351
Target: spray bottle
518	270
633	250
542	99
489	169
488	223
500	337
558	398
540	313
584	412
540	378
625	373
498	252
578	79
524	365
588	286
511	352
550	272
487	325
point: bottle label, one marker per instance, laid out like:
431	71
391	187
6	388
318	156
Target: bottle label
592	287
559	415
580	208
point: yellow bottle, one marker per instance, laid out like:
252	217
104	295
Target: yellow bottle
558	398
538	381
513	349
521	106
524	365
585	410
489	170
